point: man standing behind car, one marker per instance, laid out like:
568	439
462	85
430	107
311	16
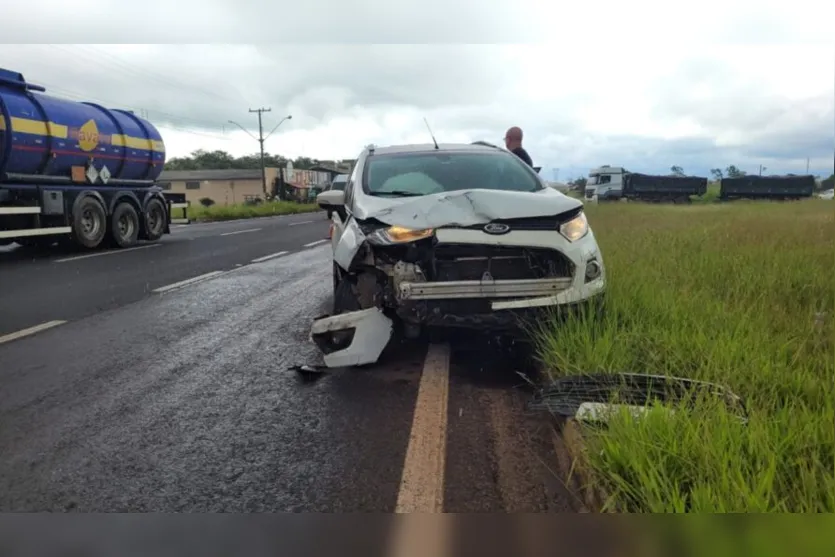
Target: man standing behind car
513	142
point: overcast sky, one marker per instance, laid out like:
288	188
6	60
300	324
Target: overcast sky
639	84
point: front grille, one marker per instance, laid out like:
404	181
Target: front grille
552	222
473	261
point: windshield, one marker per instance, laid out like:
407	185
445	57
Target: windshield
339	183
428	173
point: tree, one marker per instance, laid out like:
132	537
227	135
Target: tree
716	173
221	160
829	183
733	172
677	170
579	183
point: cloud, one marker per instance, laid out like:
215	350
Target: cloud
644	85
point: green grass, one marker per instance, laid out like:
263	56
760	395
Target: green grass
736	293
232	212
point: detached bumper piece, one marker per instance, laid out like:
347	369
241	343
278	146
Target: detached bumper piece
483	289
352	339
592	398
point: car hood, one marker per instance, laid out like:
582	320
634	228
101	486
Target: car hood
464	207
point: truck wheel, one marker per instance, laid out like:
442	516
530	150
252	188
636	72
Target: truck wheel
124	225
89	223
156	217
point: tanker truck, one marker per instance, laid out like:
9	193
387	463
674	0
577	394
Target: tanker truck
76	172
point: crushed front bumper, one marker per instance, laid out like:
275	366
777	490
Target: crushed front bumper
468	289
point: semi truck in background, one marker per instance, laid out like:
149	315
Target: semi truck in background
612	183
605	183
767	187
76	172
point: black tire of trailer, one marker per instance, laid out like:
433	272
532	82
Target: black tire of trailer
155	219
89	222
124	225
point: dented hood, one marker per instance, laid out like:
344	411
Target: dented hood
465	207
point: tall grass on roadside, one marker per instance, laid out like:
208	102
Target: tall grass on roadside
740	294
241	211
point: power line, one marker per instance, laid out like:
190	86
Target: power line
144	112
101	57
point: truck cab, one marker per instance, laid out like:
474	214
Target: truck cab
605	183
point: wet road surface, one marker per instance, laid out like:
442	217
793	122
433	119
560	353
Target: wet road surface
183	401
41	286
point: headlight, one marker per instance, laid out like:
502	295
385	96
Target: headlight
399	235
576	228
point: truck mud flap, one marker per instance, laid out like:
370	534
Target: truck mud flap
352	339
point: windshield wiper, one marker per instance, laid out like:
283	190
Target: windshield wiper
399	193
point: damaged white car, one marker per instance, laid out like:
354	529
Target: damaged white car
449	235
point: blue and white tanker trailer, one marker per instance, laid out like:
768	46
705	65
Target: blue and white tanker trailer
78	172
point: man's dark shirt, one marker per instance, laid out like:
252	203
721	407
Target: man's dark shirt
522	154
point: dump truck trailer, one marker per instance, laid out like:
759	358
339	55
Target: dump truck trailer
78	172
767	187
677	189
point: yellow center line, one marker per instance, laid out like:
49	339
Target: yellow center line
422	483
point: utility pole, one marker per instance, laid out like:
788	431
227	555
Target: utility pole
260	139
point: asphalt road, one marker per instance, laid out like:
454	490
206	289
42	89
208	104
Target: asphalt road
141	397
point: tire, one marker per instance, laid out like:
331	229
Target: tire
89	223
335	279
124	225
344	299
155	219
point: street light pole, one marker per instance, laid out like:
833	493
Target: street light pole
261	139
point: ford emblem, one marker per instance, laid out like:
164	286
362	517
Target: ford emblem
496	228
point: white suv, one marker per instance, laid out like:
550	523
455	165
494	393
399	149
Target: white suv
449	235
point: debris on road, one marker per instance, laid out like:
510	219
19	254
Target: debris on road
309	370
593	397
352	339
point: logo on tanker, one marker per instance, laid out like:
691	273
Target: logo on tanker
88	136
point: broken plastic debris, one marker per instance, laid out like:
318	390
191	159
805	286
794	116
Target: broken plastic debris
305	369
593	397
352	339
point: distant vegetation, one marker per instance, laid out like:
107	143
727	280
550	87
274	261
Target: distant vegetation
221	160
738	294
204	213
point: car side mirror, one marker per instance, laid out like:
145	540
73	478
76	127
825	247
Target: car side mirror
331	199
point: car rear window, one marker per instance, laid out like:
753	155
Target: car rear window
435	172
